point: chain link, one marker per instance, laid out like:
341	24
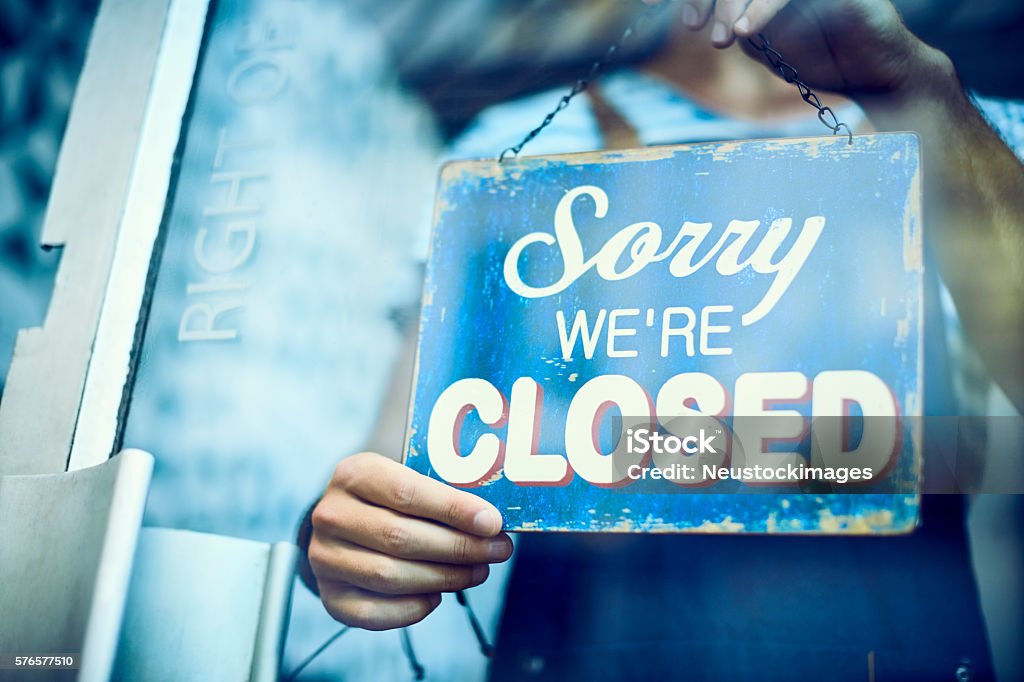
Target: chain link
760	43
789	74
579	86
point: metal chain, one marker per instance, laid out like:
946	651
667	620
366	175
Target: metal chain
579	86
789	74
760	43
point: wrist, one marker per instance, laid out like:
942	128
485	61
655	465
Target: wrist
927	85
929	75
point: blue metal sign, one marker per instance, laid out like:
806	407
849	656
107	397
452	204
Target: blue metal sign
641	340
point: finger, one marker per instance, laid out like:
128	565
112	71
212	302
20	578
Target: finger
758	15
386	483
696	13
340	560
353	606
407	537
727	12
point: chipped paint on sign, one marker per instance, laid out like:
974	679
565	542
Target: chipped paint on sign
632	240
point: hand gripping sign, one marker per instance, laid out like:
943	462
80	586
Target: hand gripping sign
639	340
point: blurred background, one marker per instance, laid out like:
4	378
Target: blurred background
375	92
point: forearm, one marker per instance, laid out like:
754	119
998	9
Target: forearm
974	210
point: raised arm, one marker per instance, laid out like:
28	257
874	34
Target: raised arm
973	184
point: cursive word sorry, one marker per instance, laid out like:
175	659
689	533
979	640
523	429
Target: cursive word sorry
642	242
